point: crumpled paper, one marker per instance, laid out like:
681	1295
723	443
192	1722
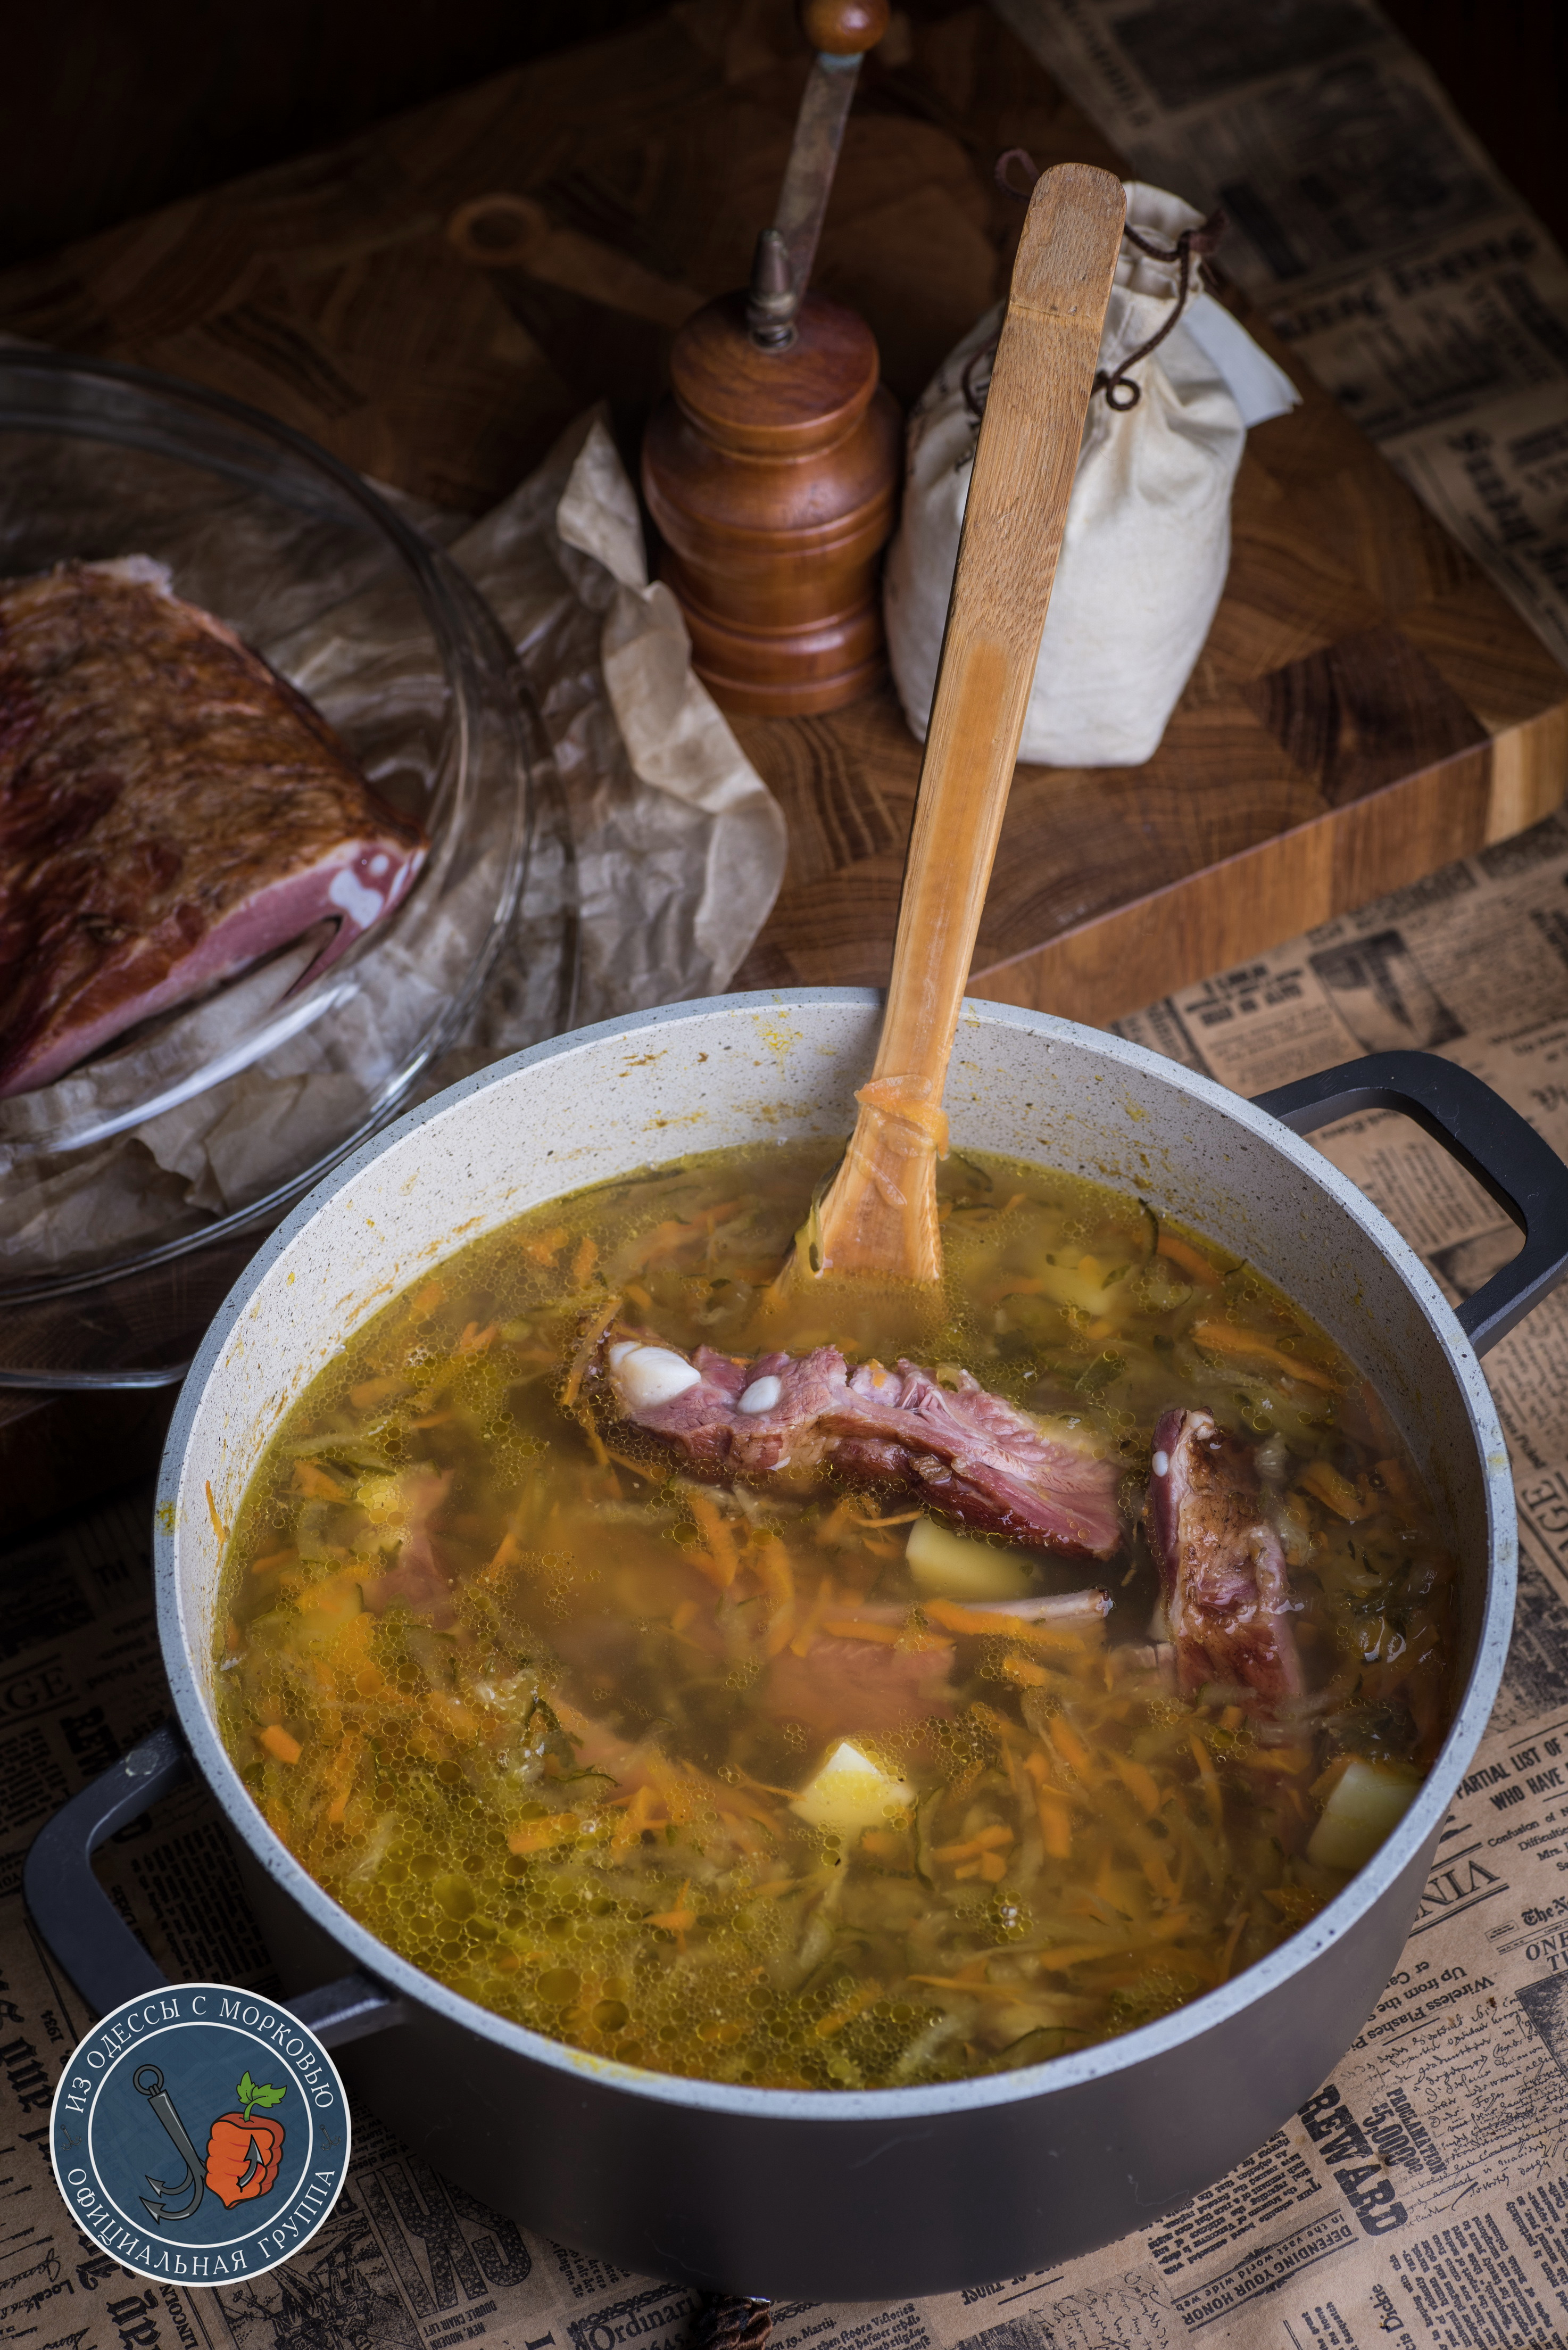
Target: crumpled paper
679	850
679	843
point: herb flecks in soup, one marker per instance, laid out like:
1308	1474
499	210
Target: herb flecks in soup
803	1719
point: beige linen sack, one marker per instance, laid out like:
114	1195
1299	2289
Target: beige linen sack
1148	541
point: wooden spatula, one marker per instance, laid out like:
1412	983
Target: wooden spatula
876	1222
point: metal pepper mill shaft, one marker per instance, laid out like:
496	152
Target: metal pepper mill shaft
773	472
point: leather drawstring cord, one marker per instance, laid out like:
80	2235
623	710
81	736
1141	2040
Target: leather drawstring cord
973	391
1200	241
1004	163
1120	393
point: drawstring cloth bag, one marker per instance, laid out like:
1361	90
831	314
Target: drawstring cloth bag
1148	541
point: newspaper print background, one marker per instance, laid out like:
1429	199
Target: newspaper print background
1373	230
1420	2198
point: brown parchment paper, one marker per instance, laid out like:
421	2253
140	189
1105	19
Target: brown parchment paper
679	843
1419	2199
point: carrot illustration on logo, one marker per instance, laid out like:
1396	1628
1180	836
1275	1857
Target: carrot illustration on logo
243	2153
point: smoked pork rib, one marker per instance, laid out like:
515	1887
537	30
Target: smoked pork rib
1222	1569
169	811
970	1454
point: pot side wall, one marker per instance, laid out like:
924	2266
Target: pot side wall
853	2211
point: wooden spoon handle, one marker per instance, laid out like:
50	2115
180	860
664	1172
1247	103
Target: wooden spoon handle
880	1213
1022	480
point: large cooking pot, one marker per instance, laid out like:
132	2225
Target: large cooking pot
889	2191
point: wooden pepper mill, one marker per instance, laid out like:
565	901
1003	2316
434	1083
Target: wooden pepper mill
773	472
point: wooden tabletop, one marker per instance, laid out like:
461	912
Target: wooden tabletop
1367	705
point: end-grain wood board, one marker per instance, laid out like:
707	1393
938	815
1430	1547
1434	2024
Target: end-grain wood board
1367	707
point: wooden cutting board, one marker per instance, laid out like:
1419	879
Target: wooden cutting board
1368	706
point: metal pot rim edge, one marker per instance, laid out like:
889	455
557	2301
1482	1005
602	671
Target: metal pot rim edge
885	2107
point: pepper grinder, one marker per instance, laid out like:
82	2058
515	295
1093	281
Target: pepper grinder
773	471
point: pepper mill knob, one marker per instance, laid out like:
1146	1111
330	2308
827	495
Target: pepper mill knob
844	28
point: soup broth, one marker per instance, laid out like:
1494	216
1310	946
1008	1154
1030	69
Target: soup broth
846	1759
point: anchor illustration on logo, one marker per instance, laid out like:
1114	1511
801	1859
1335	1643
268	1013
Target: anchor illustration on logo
148	2080
243	2153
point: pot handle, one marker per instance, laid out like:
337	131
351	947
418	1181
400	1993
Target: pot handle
1490	1140
108	1963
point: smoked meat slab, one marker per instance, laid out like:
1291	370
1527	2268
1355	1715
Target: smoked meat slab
170	810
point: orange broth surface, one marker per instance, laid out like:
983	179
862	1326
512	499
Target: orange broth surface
578	1774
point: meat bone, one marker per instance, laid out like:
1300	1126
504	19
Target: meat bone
876	1226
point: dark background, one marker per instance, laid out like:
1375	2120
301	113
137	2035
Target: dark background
112	108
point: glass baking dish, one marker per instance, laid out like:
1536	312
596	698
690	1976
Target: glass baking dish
206	1123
